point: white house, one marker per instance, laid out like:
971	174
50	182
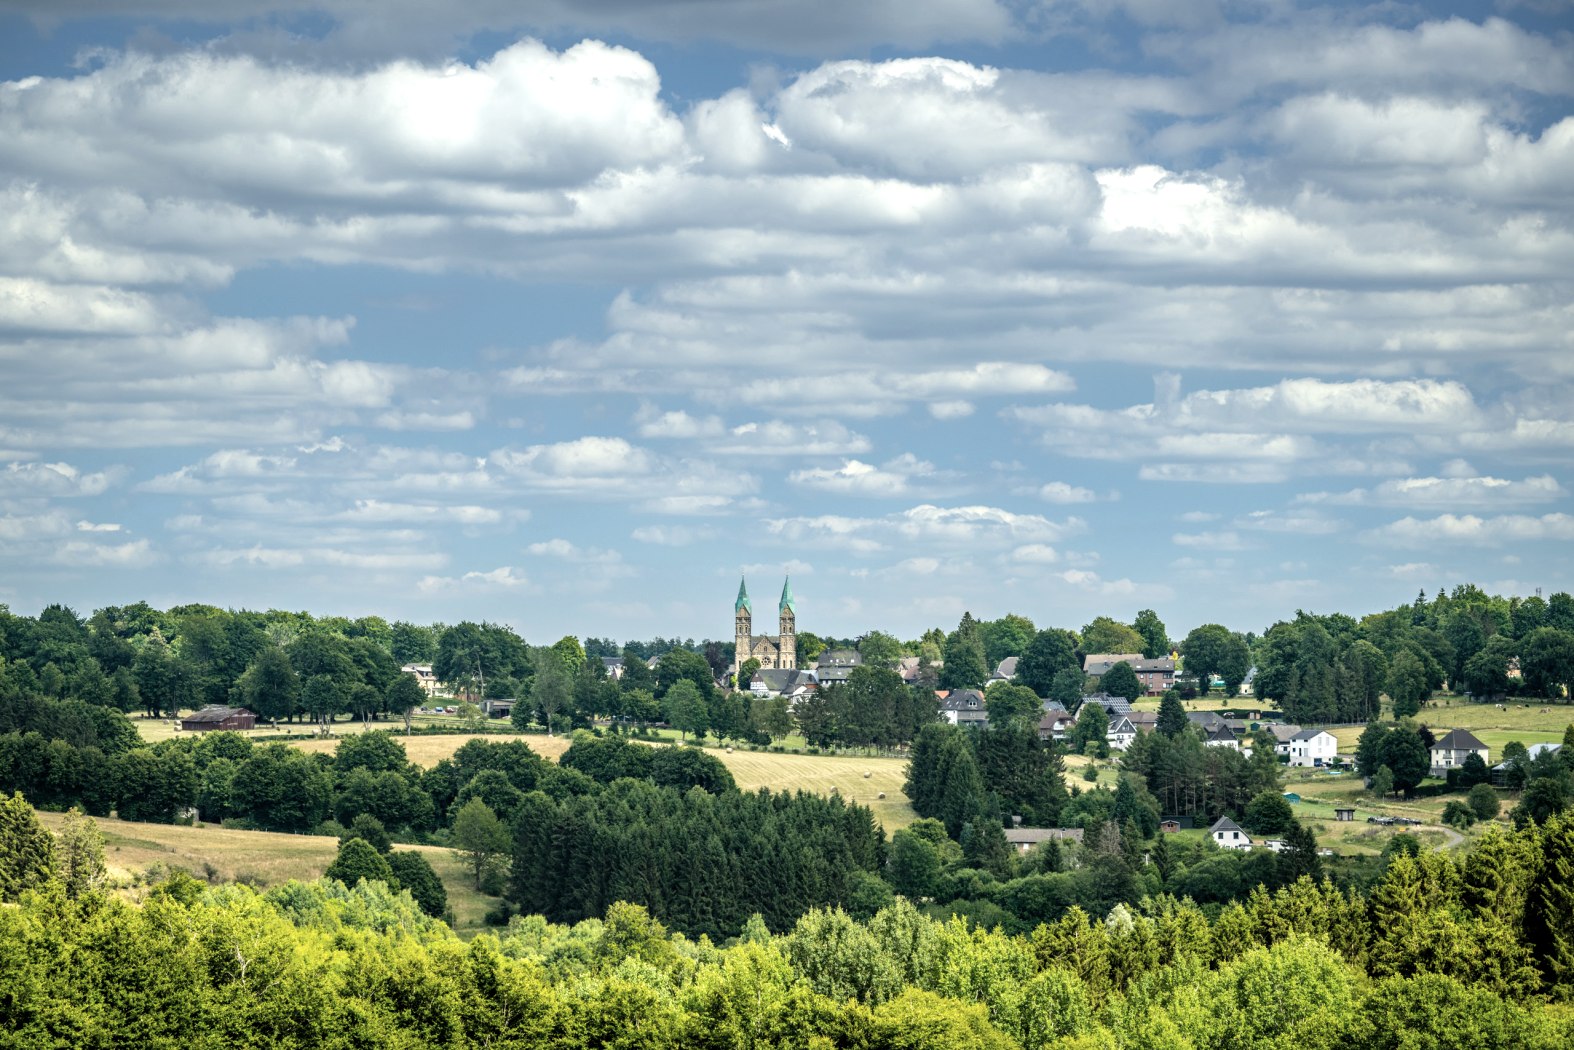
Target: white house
424	676
1121	733
1453	748
1229	835
1310	747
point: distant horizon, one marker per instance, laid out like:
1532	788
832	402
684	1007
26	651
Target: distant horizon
553	314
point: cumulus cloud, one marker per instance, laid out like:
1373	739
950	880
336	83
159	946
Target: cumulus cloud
1061	492
502	578
81	554
856	478
1480	492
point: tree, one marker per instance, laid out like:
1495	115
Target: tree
1155	639
965	667
358	859
1012	706
1269	814
1051	651
1105	635
1406	757
1066	687
160	681
27	849
415	874
747	671
879	649
1457	814
1483	802
1121	680
1407	683
686	709
81	854
1089	735
1547	661
1215	650
270	688
1172	715
1383	782
479	837
1368	750
321	699
553	687
1008	636
404	695
1549	915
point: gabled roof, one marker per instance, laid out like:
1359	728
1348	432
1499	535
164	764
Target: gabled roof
1307	734
1221	732
1158	663
1104	661
1122	726
1225	824
214	713
1007	668
1459	740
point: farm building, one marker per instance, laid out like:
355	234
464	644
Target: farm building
215	716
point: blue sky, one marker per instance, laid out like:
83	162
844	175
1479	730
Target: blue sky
565	314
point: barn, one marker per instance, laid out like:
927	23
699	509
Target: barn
216	716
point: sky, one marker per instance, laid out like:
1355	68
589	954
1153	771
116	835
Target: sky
565	315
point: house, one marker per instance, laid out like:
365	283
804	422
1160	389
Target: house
1120	733
217	716
1113	706
1169	827
964	707
1096	664
1156	675
1229	835
1532	752
779	681
1056	723
423	676
1453	748
1282	733
836	665
1005	671
1024	839
1310	747
1277	845
1221	736
907	667
613	666
1343	813
1144	721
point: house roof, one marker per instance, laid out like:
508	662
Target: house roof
1020	836
1224	824
1007	668
1221	732
1307	734
1122	726
963	700
781	679
215	713
1160	663
1459	740
1531	753
1143	718
1112	705
1098	663
1283	733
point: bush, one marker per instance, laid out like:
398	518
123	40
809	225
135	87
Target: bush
1458	815
1483	802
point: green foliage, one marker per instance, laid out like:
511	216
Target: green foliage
358	859
1121	680
1172	714
1269	814
1483	802
480	838
414	873
1383	782
1051	651
1406	757
27	849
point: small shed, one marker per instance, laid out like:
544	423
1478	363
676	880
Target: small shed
216	716
1169	827
1342	813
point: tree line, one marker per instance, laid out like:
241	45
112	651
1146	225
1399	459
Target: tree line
1442	953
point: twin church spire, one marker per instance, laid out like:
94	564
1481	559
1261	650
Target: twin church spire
778	651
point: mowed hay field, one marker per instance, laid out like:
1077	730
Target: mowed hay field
427	751
262	858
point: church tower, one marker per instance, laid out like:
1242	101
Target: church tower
742	613
788	643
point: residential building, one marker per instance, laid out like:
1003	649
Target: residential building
1121	733
1532	752
1097	664
1056	723
1024	839
1453	748
613	665
777	681
1005	671
1310	747
963	707
423	677
835	666
1157	675
1229	835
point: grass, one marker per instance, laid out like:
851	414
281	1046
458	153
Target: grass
263	858
427	751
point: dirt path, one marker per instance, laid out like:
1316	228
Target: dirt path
1454	838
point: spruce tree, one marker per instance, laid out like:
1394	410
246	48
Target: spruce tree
1172	715
27	849
1550	911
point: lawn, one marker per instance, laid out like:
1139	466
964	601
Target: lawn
263	858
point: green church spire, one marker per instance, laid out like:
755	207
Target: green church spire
787	599
743	598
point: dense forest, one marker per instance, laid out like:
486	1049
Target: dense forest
1471	954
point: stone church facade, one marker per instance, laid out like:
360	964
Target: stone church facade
771	650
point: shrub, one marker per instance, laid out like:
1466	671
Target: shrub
1458	815
1483	802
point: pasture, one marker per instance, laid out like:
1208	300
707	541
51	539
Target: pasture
261	858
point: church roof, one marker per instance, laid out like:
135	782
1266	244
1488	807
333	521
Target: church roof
743	597
787	598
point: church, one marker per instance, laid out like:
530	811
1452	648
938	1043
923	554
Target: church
771	650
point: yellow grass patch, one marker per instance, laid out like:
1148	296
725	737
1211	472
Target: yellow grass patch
263	858
427	751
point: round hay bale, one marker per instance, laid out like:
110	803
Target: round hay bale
866	774
881	795
729	751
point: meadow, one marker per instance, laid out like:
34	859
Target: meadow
260	858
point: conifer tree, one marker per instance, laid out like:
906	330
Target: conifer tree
27	849
1549	917
1172	716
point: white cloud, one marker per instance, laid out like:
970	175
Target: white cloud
1036	554
945	410
1299	523
1226	540
673	535
54	479
1470	530
778	438
1482	492
501	578
1061	492
679	424
134	554
856	478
